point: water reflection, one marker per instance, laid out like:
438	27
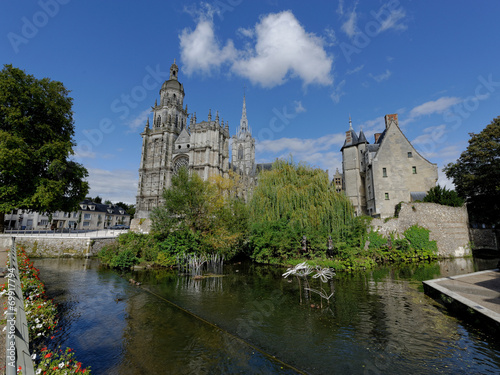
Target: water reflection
376	323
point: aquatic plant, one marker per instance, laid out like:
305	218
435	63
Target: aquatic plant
193	264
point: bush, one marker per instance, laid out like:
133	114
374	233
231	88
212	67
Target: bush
443	196
376	240
418	239
124	259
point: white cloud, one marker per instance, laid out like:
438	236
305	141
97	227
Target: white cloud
282	48
116	185
340	8
82	153
200	50
323	152
349	27
338	92
392	21
331	37
296	145
371	127
299	108
139	122
356	69
381	77
436	106
432	135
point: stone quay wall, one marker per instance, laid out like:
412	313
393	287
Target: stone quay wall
485	239
57	247
449	226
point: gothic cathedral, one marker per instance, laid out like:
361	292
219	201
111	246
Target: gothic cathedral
203	147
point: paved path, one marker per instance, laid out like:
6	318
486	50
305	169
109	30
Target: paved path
479	291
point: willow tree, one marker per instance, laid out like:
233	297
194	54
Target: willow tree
295	200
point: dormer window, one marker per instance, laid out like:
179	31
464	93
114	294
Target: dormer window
91	207
83	206
122	212
110	211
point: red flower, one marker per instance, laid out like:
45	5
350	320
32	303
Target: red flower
48	355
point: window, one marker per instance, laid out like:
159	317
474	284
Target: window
410	155
86	224
386	196
414	170
384	172
86	216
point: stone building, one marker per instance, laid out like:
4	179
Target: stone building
378	176
203	147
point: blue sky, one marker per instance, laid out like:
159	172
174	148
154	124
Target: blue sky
305	67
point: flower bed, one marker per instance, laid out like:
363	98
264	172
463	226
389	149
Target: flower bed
41	315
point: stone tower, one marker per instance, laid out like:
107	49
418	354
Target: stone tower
351	165
170	144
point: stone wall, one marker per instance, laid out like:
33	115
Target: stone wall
140	225
57	247
449	226
485	239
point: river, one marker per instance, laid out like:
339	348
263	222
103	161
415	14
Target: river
251	320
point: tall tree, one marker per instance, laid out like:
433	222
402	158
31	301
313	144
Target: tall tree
476	174
36	143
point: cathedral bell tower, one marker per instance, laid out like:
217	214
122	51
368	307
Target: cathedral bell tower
158	138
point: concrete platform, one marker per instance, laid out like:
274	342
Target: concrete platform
475	297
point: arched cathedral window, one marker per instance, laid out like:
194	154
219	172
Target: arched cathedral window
181	161
240	152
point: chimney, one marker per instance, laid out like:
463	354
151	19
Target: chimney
377	136
348	137
390	118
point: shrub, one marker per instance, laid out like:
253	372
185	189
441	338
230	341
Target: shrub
418	238
124	259
376	240
443	196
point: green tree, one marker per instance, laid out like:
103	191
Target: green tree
36	143
443	196
476	174
205	209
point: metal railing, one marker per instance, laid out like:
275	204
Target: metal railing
66	232
17	335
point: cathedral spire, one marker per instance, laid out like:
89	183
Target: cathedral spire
350	123
244	128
